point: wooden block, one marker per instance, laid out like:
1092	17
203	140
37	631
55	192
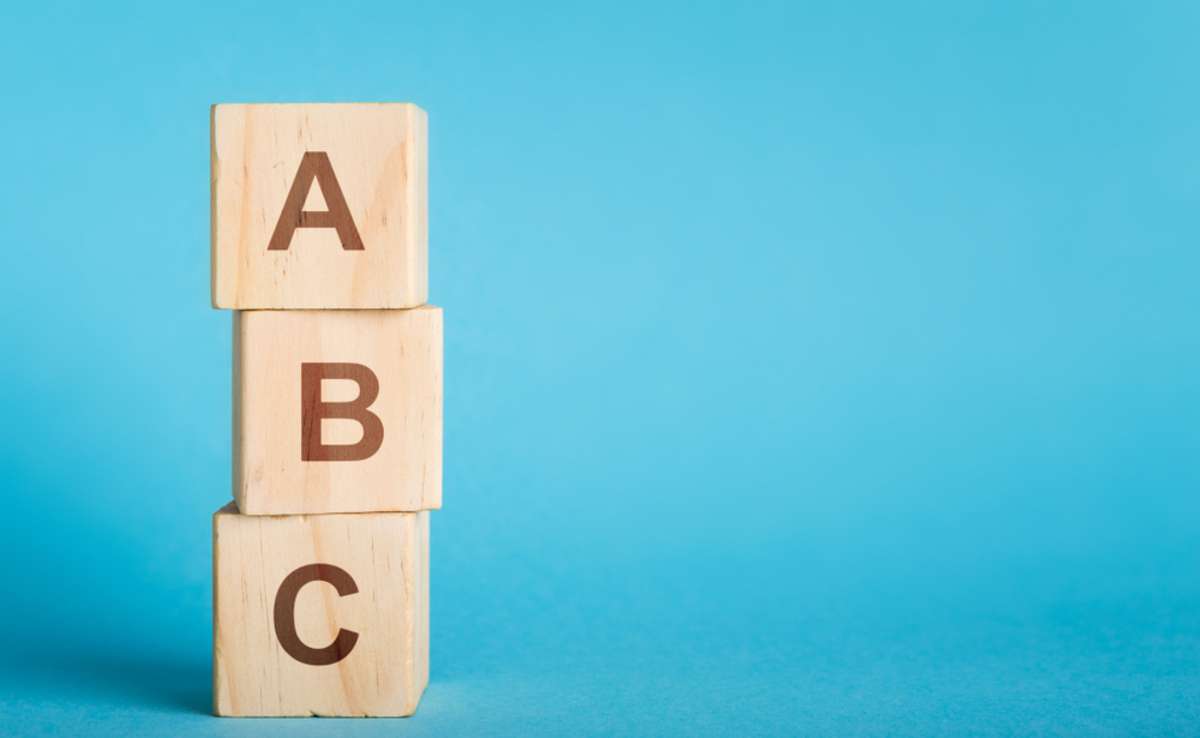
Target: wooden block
319	206
320	614
337	411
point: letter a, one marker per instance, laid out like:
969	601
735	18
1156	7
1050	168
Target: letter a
315	165
313	409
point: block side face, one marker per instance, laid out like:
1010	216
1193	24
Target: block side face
222	699
257	675
226	181
236	389
417	194
217	677
421	630
432	470
212	205
401	351
273	162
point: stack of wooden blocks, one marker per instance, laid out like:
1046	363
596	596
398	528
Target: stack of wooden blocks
321	563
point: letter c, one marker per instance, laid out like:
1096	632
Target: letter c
285	615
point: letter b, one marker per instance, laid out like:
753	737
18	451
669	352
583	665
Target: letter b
313	410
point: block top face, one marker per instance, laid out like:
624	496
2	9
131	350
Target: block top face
319	206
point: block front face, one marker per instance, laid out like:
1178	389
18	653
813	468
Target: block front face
337	411
319	206
320	614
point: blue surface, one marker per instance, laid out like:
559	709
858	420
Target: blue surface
810	371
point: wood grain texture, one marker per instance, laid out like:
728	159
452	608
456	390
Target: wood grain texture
386	670
379	155
403	349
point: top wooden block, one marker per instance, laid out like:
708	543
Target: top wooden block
319	206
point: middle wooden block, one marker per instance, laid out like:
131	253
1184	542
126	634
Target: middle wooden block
337	411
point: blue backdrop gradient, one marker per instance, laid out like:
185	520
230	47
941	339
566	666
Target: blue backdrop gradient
811	369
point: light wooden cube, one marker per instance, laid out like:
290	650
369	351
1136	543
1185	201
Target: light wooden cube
337	411
320	614
319	206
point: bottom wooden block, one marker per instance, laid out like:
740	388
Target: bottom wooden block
320	614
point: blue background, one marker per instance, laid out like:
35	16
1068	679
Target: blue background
810	369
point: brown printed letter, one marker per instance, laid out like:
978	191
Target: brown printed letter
285	615
315	165
312	410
